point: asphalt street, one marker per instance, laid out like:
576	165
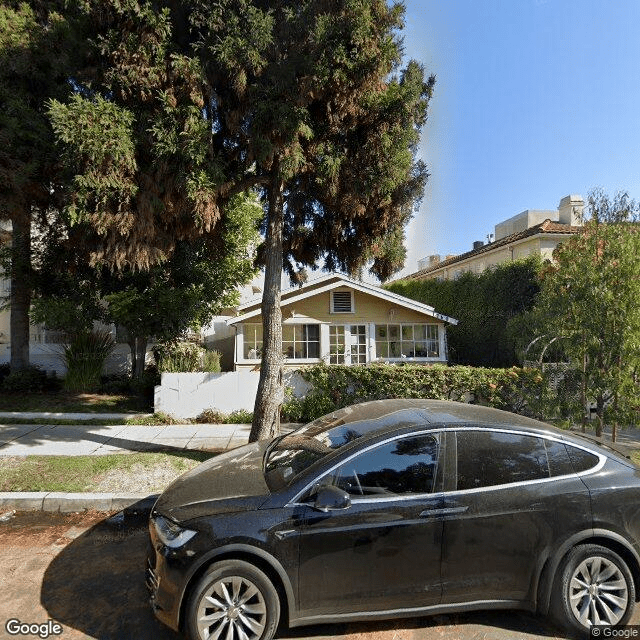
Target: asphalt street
85	572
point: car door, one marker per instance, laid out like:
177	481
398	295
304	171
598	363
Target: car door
514	498
383	551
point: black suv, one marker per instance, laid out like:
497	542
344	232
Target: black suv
396	508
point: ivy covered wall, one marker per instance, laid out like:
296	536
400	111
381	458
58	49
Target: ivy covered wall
483	303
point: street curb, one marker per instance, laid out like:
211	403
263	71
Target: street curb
59	502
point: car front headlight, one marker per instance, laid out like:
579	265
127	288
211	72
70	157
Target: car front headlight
171	534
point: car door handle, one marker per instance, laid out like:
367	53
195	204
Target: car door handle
442	512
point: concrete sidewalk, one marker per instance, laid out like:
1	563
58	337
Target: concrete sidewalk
86	439
83	439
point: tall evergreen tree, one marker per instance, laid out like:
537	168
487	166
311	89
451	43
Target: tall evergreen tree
312	102
188	105
36	46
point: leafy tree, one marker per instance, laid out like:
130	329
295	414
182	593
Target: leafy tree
589	299
164	302
36	47
485	304
319	115
187	104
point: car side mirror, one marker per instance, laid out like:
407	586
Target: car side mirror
330	498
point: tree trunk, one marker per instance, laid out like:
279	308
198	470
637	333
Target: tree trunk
583	393
20	299
266	412
600	414
141	357
138	347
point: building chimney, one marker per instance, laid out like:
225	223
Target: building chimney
570	210
477	244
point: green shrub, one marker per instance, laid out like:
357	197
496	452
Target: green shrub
84	358
31	379
115	384
211	361
240	416
213	416
519	390
185	357
5	370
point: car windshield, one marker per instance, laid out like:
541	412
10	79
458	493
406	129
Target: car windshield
290	455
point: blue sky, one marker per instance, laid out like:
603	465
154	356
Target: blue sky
534	100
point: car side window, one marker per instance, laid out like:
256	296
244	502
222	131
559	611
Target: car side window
582	460
401	467
489	458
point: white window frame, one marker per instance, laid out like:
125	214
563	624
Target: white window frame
353	305
441	357
288	359
347	342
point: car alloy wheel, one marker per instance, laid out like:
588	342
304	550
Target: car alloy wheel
598	592
234	605
233	601
595	587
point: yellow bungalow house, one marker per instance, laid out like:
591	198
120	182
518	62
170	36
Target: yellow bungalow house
338	320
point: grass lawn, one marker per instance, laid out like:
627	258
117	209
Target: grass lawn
72	402
83	473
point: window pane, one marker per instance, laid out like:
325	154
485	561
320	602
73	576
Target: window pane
422	350
394	331
407	332
559	462
394	349
581	459
405	466
488	458
382	350
381	331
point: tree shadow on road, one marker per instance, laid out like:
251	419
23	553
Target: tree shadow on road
96	585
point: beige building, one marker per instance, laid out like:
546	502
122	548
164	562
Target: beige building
532	232
337	320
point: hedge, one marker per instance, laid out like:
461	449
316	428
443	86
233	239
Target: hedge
521	390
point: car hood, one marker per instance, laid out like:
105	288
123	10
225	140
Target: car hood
232	481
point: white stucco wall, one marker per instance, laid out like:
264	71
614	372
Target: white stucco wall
187	395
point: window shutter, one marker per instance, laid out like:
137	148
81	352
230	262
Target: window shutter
342	302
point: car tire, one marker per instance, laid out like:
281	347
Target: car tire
233	597
593	586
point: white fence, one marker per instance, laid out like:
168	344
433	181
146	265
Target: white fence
187	395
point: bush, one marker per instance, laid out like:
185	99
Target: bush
84	357
523	391
5	370
211	361
115	384
213	416
32	379
185	357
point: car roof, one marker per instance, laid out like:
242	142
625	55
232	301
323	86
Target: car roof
389	413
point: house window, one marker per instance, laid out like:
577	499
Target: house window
252	341
336	344
301	341
342	302
348	344
407	341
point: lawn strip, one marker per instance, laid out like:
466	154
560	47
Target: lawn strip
81	473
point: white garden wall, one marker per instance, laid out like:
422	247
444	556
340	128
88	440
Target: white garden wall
186	395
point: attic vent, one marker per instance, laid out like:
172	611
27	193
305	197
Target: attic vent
341	302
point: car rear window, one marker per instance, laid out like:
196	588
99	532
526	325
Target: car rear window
582	460
489	458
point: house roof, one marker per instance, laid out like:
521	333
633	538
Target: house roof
332	281
547	227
